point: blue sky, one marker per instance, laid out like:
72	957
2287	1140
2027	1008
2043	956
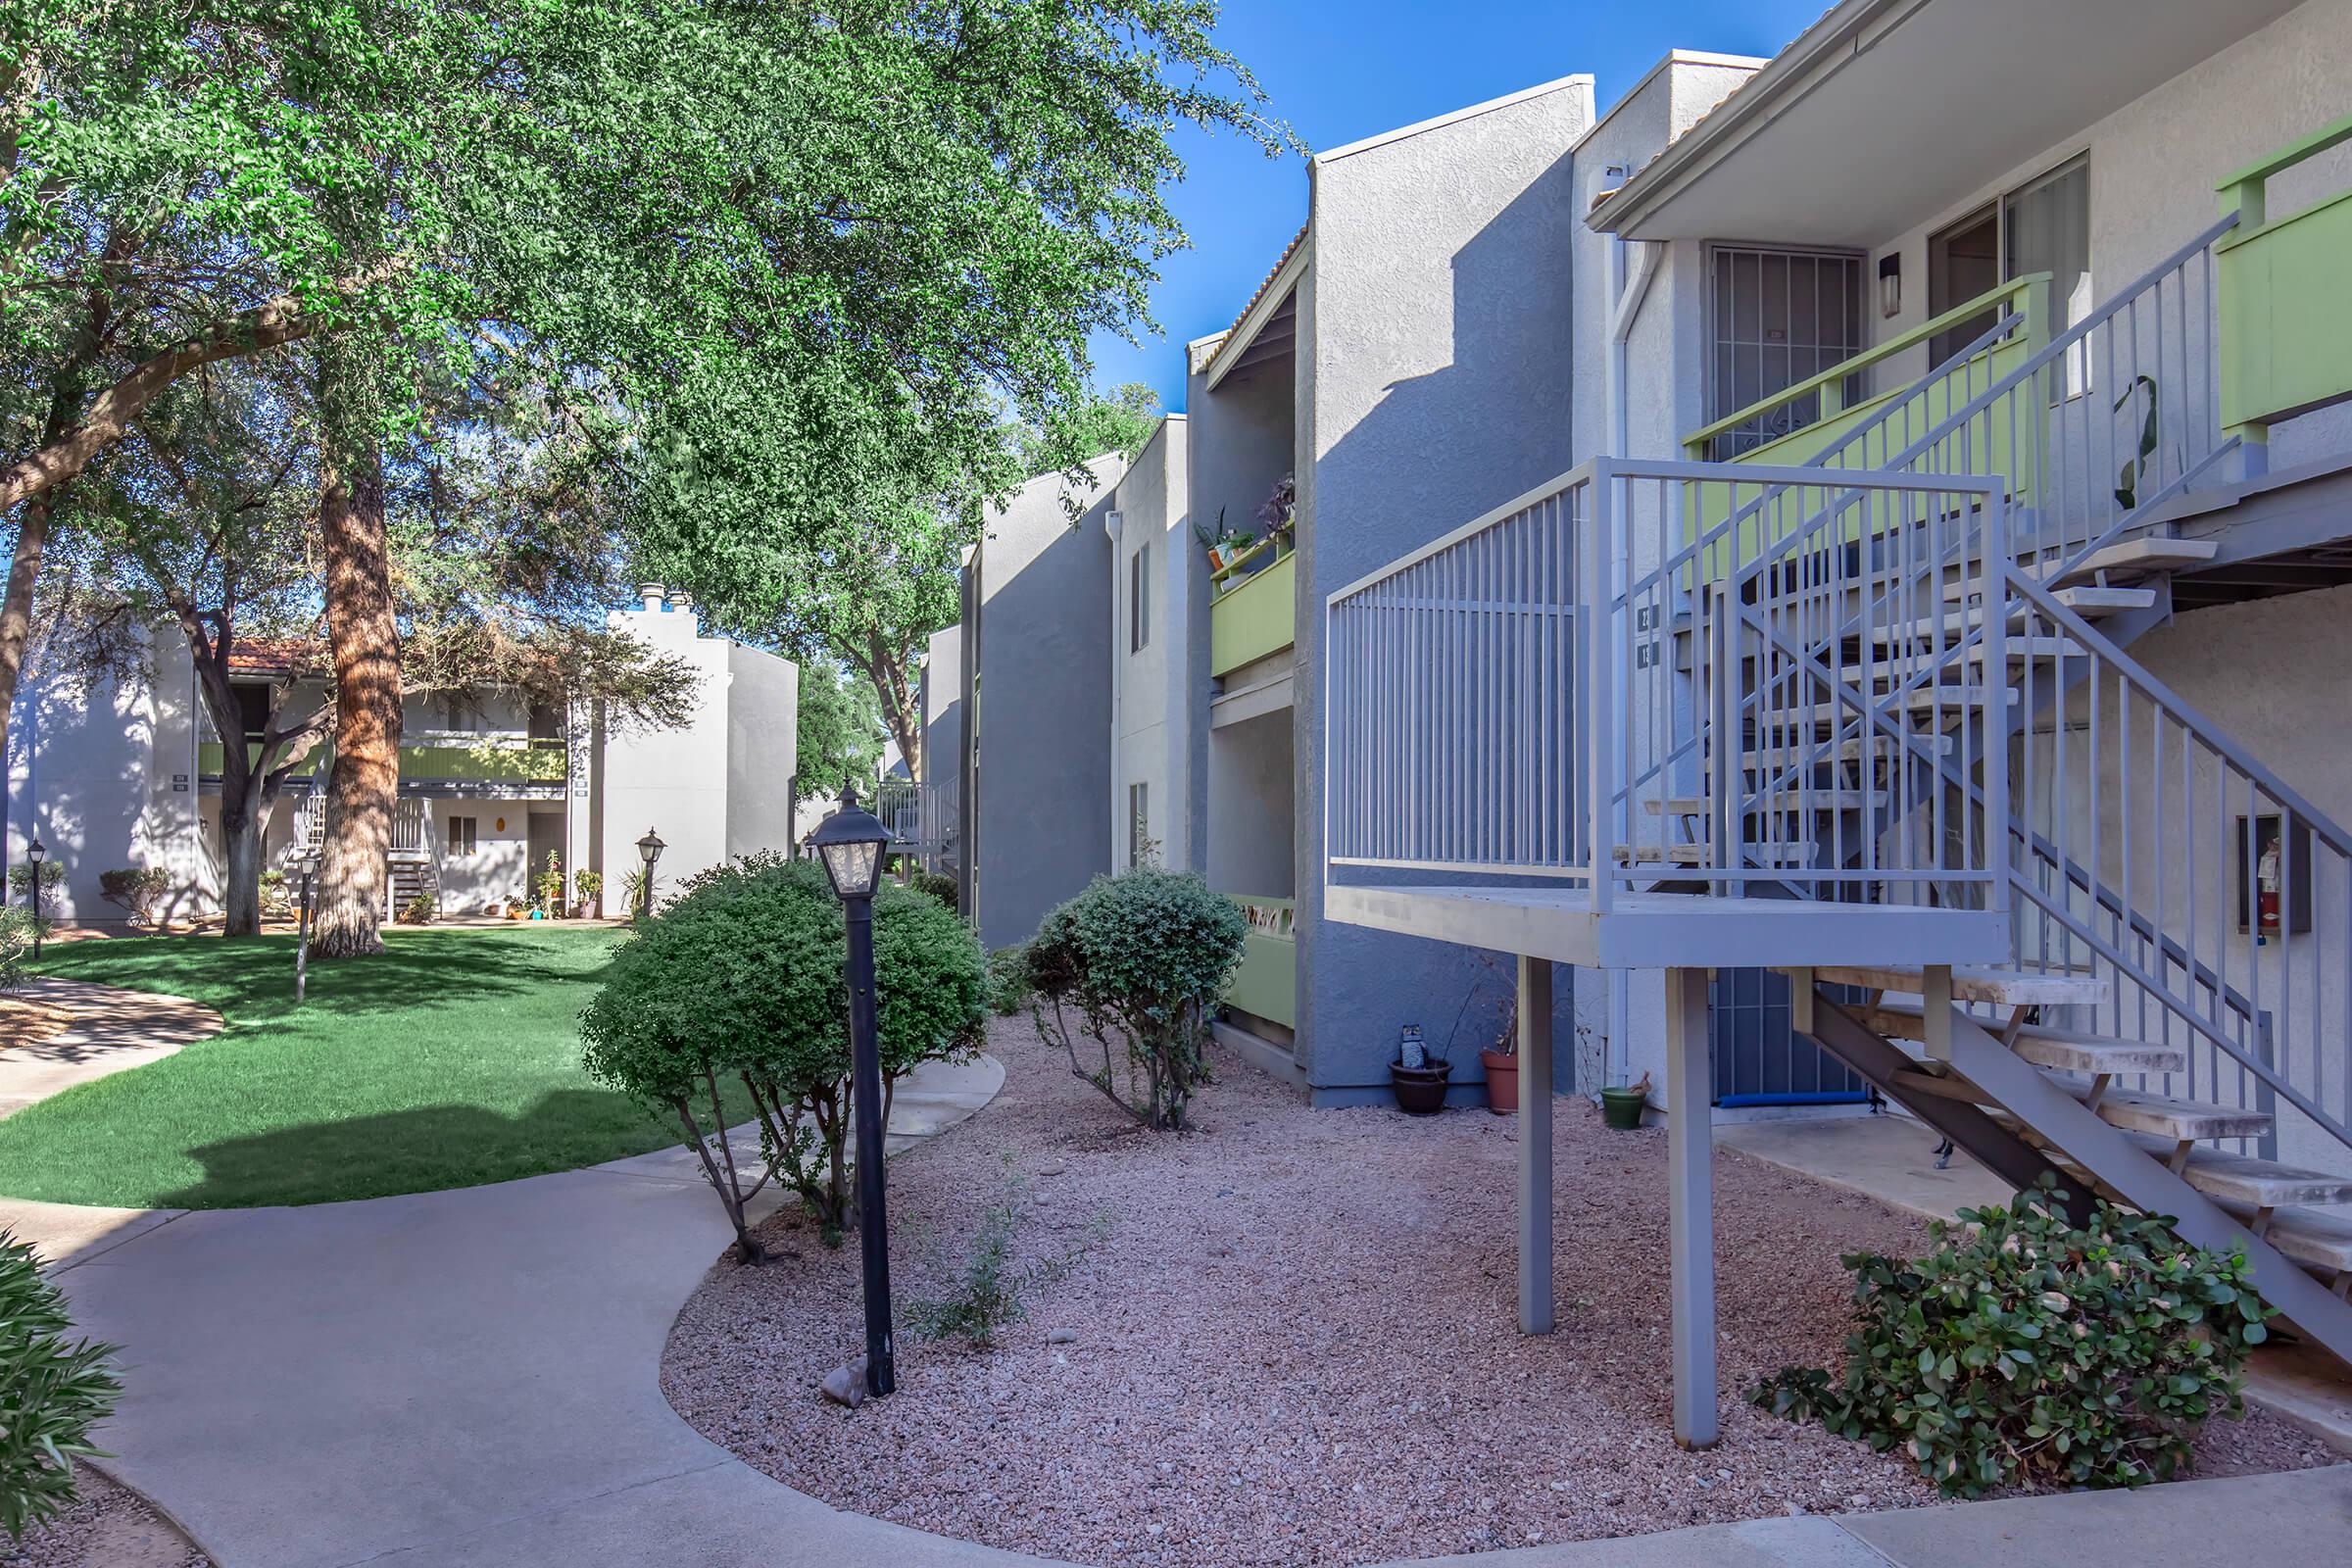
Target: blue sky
1342	69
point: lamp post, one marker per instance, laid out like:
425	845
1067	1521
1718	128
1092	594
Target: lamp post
36	852
851	842
649	850
307	863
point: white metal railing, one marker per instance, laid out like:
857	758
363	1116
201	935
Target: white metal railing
920	817
1505	701
411	821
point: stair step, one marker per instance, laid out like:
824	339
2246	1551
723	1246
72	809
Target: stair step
2149	553
1773	750
1782	802
2243	1179
2019	648
1949	700
2313	1237
2091	603
2007	988
2136	1110
1700	855
2062	1050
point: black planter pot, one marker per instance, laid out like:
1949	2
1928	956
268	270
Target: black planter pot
1420	1091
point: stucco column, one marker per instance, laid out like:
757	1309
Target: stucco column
1535	1145
1690	1206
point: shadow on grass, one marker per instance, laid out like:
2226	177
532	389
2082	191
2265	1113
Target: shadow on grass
251	979
430	1149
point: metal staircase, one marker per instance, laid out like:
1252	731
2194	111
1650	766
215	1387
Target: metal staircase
1901	687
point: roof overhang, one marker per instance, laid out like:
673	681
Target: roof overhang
1886	114
1268	330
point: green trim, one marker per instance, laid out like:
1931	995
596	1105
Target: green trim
540	763
1254	618
2024	290
1267	982
2285	321
2257	172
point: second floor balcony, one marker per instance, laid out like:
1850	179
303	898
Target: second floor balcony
447	764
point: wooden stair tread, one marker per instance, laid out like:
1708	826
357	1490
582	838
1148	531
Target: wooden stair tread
1781	800
2137	1111
2008	988
2148	552
2243	1179
2312	1237
2091	603
1768	855
2044	1045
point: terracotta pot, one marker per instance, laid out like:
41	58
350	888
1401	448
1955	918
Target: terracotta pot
1420	1091
1503	1081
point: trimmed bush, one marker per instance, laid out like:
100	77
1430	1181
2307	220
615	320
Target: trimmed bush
2028	1351
938	885
16	943
741	977
1008	988
53	1392
20	878
138	890
1144	956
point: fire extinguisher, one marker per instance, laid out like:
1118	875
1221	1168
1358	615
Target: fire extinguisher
2266	879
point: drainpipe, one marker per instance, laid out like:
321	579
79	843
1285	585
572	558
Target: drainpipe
1629	286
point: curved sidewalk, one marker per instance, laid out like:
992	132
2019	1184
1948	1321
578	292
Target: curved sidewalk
472	1379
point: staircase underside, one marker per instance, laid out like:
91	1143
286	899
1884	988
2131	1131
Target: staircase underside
1670	930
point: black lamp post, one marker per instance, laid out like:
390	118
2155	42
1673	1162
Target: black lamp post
306	862
36	852
851	842
649	850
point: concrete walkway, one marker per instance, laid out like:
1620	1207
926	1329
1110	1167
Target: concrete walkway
106	1031
472	1379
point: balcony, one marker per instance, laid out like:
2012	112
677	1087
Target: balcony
2285	324
450	767
1266	985
1253	613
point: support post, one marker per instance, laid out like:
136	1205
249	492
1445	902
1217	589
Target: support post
1690	1206
865	1084
1535	1145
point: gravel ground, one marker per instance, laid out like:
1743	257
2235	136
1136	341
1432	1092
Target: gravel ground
108	1527
1295	1340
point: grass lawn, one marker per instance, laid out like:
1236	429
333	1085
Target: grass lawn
452	1059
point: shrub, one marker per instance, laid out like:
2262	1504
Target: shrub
53	1393
138	890
2027	1350
1009	986
20	878
277	896
1142	954
989	1292
16	941
742	976
936	884
633	894
419	910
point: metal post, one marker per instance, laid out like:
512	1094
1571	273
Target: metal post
302	940
865	1074
38	868
1690	1206
1535	1145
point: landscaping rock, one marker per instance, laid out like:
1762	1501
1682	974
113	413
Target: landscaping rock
845	1385
1061	1337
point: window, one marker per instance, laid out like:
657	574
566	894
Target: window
461	831
253	709
2041	226
1139	845
1139	600
1778	318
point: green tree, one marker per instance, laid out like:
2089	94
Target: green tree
839	731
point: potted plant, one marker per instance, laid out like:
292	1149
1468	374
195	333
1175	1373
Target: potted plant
1501	1062
1621	1107
590	886
1225	546
1418	1077
1278	515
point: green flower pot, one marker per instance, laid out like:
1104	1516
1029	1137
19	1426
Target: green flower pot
1622	1107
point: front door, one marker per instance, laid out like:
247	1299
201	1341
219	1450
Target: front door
545	837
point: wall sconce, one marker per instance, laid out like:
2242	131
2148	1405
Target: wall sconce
1890	285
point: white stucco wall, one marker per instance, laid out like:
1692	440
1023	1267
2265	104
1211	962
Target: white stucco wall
672	781
1156	702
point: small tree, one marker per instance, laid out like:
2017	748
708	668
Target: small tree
53	1391
139	890
741	977
1144	955
16	941
2025	1348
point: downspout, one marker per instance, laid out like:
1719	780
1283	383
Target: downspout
1629	286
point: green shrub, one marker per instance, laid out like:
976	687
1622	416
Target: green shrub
16	942
741	976
138	890
1009	986
53	1392
20	878
1142	954
277	898
2027	1350
548	886
989	1292
419	910
936	884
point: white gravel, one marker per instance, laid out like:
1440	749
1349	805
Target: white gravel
107	1527
1297	1343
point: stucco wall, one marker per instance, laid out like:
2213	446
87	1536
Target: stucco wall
763	696
497	870
1157	693
673	781
1437	380
1044	799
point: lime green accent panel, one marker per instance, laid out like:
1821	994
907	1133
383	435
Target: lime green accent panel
499	764
1254	619
2286	315
1267	982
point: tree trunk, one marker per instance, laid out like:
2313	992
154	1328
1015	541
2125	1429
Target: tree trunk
901	703
364	638
243	827
16	625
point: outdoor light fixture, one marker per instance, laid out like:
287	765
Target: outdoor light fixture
36	852
649	850
851	842
1890	285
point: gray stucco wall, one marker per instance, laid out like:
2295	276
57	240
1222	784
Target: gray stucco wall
763	698
1044	798
1438	383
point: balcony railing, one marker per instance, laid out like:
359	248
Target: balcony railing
2285	316
1266	986
488	760
1253	613
1506	702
